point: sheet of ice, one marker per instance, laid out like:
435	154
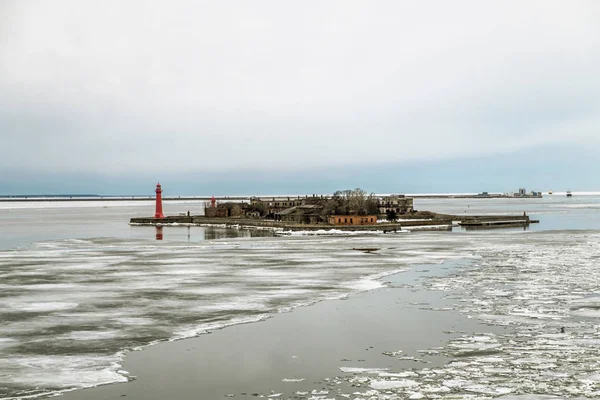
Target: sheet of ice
40	307
95	298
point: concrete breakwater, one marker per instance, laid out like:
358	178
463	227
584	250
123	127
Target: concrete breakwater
475	196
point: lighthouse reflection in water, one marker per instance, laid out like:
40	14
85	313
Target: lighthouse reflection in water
159	233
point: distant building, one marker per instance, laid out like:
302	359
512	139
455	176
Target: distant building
275	205
523	193
226	210
352	219
396	202
302	214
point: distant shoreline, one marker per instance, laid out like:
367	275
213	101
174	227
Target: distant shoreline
93	197
115	198
237	198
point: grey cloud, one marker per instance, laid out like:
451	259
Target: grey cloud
115	86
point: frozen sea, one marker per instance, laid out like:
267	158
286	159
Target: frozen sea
79	288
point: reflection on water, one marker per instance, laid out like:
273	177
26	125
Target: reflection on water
515	226
198	233
225	233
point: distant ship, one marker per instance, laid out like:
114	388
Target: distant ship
549	191
569	193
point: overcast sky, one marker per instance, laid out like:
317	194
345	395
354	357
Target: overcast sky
118	88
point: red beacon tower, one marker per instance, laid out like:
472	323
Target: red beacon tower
159	212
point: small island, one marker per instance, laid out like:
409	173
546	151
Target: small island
345	210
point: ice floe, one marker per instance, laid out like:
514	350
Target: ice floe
539	294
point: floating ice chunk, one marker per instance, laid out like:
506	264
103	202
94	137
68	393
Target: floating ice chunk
584	342
475	346
408	358
458	364
595	377
368	393
491	390
536	315
490	360
135	321
416	396
532	361
498	293
292	380
479	338
488	370
398	374
474	349
452	383
504	319
404	383
591	301
529	397
44	306
6	342
365	285
92	335
357	370
586	312
392	353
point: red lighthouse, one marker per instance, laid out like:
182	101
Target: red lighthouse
158	213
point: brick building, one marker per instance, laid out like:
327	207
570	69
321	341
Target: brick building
352	219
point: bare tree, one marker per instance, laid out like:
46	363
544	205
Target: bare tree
347	202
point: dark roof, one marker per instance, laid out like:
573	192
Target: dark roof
304	209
